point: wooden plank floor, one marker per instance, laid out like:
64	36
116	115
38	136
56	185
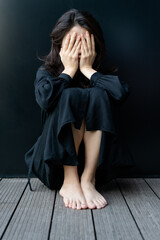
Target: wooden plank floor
133	212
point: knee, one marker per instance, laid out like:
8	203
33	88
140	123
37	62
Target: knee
70	92
98	92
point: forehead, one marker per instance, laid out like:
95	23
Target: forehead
78	29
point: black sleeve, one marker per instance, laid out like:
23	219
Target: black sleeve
117	89
48	87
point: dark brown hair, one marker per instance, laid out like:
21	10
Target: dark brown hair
69	19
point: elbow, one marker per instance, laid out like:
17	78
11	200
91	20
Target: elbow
46	104
122	92
122	95
43	104
42	101
125	91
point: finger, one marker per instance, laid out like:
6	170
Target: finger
75	45
84	45
77	49
66	42
93	43
72	40
82	50
88	42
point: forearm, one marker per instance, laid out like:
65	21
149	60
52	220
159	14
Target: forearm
49	87
69	71
88	72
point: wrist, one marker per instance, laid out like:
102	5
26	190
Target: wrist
86	68
88	71
69	71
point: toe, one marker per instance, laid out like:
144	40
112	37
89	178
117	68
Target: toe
83	204
103	203
74	205
78	204
103	199
98	204
91	204
66	201
70	203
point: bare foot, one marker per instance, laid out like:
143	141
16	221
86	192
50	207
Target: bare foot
73	195
93	197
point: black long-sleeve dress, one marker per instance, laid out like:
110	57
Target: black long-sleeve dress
61	103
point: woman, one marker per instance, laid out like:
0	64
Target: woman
76	101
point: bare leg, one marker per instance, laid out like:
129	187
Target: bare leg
71	190
92	141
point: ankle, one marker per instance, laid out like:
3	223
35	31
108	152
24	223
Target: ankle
71	181
85	179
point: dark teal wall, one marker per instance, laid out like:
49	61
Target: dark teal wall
131	31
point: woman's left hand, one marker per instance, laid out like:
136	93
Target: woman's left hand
88	53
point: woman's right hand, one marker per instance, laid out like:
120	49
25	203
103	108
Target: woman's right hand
69	52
